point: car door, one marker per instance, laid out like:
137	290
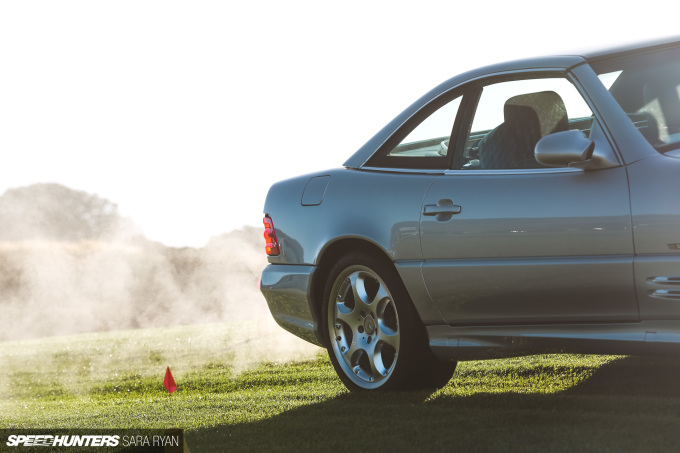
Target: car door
507	240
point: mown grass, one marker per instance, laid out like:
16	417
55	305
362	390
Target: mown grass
543	403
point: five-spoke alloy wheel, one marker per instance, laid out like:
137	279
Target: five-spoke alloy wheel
375	340
364	326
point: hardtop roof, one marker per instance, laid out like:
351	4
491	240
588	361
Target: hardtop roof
632	48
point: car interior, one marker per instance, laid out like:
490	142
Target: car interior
650	96
527	118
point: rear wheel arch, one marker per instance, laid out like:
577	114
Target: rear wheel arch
373	334
330	255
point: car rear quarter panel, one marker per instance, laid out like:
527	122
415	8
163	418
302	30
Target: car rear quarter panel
378	207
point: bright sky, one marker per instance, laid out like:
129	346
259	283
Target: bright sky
185	112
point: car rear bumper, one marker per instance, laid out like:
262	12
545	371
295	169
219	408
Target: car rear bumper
288	291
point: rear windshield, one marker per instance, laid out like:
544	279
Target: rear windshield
647	87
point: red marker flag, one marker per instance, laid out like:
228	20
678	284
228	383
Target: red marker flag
169	382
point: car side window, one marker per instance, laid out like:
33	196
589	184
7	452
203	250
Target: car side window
424	141
647	87
431	137
512	116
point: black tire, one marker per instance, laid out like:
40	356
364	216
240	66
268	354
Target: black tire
375	338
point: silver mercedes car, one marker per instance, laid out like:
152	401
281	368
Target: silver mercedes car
521	208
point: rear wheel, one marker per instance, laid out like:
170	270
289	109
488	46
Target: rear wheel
375	338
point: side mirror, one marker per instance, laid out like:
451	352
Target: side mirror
567	148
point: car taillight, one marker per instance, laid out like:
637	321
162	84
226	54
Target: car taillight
272	245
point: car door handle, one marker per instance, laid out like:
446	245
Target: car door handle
434	209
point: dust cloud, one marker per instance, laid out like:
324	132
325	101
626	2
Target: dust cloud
108	277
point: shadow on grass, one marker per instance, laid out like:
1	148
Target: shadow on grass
632	404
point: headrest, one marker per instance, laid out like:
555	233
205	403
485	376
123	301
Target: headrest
549	107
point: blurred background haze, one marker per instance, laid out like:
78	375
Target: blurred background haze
184	112
139	137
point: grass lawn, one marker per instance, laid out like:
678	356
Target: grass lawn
237	392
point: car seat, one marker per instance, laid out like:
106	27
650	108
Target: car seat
527	118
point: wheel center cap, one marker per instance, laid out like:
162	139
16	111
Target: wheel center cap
369	325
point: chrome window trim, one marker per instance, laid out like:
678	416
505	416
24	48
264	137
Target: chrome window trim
515	171
512	171
421	171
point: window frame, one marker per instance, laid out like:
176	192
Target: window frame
475	90
471	91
